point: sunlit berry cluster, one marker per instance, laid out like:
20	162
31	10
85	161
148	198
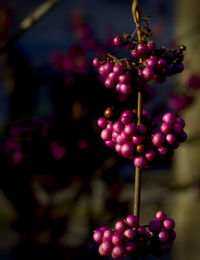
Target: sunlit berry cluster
147	63
128	238
144	144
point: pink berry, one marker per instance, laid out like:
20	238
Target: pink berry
109	83
163	150
161	63
152	62
118	252
120	226
127	117
96	62
151	45
130	247
163	236
124	78
117	239
169	118
180	121
165	128
169	224
132	220
127	150
130	129
150	155
178	129
137	139
107	234
101	251
118	127
140	162
103	228
107	247
102	122
118	69
126	88
147	73
106	134
118	148
110	143
97	236
129	234
158	139
171	139
117	41
154	225
160	215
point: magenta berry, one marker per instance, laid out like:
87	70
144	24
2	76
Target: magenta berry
117	252
154	225
150	155
120	226
132	220
129	234
130	247
158	139
163	236
140	162
148	73
97	236
106	134
117	239
107	234
117	41
107	247
169	224
169	118
102	122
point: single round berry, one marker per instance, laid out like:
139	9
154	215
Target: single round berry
117	41
103	228
154	225
110	143
158	139
127	150
107	247
129	234
165	128
106	134
117	239
120	226
130	129
150	155
107	234
108	112
96	62
102	122
127	117
152	62
178	128
140	162
132	220
124	78
171	139
118	252
180	121
130	247
98	235
161	63
163	236
137	139
169	118
147	73
169	224
126	88
101	251
163	150
118	127
151	45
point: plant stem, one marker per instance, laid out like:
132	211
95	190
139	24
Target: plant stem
29	21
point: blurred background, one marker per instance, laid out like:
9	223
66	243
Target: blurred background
58	181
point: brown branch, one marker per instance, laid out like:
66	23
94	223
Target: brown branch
29	21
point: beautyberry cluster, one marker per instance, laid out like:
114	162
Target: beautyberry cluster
128	238
148	63
142	144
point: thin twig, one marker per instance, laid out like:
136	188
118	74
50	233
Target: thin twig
29	21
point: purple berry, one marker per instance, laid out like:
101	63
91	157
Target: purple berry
118	69
109	83
142	50
127	150
118	252
96	62
117	239
142	129
126	88
163	150
150	155
165	128
130	129
103	228
147	73
151	45
127	117
130	247
158	139
140	162
106	134
110	143
161	63
169	118
141	231
107	247
118	127
117	41
171	139
154	225
107	235
97	236
135	54
129	234
101	251
132	220
118	148
102	122
120	226
152	62
163	236
169	224
178	129
137	139
180	121
124	78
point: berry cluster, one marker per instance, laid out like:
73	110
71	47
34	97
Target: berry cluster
128	238
148	63
143	144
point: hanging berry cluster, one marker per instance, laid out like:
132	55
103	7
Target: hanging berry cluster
148	63
127	238
134	135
